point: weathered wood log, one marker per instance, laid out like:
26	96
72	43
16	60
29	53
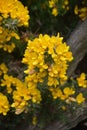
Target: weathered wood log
78	45
71	121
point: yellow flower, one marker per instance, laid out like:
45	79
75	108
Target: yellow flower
68	91
20	97
63	108
7	82
65	5
57	93
4	104
5	37
35	94
34	120
81	12
80	99
3	69
66	2
51	3
9	48
55	11
1	30
76	10
82	82
52	81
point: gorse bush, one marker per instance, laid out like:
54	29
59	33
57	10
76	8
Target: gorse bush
39	78
13	15
60	7
53	16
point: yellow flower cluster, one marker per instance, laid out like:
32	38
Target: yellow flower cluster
47	57
34	120
21	93
18	90
55	11
81	12
5	37
4	104
63	95
15	10
65	4
8	81
3	69
13	14
52	4
55	6
67	95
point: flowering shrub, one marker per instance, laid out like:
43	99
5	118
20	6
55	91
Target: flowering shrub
81	12
47	67
62	6
59	6
53	16
12	14
46	73
44	80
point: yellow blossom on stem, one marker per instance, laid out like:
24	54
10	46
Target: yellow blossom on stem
51	3
3	69
76	10
4	104
7	82
79	98
81	12
82	82
55	11
34	120
68	91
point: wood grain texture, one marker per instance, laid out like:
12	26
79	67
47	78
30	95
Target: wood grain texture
78	45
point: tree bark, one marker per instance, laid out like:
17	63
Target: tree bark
71	120
78	45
